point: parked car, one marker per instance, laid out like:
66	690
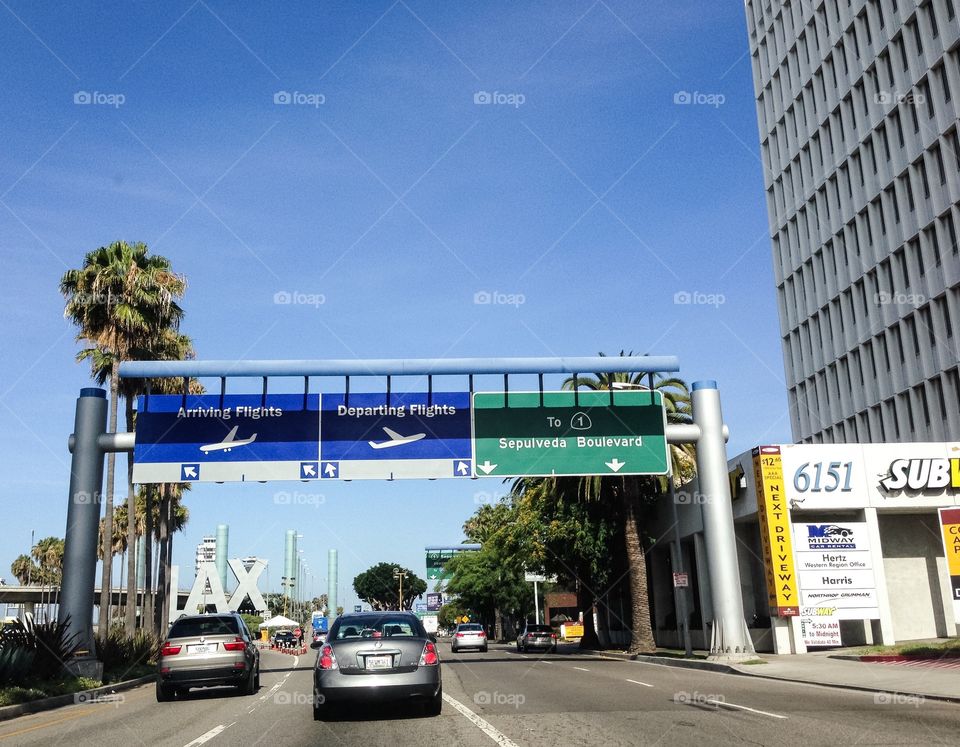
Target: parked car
468	635
284	638
537	637
376	657
206	650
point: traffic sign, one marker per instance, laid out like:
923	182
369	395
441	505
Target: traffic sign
235	437
413	435
563	433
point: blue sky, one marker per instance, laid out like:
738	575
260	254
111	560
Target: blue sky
385	195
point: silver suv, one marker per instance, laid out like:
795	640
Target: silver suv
205	650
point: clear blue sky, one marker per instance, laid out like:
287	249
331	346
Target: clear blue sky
582	192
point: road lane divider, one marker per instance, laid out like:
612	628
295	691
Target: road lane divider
485	726
736	707
582	669
637	682
204	738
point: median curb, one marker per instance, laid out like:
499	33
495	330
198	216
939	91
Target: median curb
670	661
58	701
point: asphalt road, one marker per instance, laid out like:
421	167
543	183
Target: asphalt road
510	699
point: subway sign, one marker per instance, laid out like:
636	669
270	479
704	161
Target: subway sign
926	475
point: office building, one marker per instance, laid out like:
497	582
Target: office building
857	103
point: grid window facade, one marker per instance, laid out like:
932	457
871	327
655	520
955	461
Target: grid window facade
858	103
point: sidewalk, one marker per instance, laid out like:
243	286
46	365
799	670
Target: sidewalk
914	679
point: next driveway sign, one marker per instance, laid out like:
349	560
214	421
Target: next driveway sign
594	434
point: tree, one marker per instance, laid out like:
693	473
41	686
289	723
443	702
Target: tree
121	300
631	492
24	570
377	587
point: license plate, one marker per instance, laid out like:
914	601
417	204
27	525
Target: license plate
202	648
379	662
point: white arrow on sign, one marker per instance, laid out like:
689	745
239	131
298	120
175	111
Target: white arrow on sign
615	465
190	471
462	468
330	470
308	470
486	467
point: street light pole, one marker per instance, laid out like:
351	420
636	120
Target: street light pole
398	574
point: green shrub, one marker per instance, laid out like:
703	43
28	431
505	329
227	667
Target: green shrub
53	646
117	650
36	651
15	664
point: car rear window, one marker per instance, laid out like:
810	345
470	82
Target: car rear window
376	626
470	628
539	629
197	626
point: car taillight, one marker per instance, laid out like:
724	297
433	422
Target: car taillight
169	649
482	634
328	660
553	635
459	635
236	645
429	656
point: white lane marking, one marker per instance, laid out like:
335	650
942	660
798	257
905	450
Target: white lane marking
484	726
582	669
728	704
635	682
204	738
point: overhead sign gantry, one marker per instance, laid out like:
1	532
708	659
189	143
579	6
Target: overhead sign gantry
306	436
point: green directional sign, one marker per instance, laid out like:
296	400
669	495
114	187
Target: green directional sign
528	434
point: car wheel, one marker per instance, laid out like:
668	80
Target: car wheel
249	685
435	704
453	649
256	681
518	648
165	693
483	650
553	649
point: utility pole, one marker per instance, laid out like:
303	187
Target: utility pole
398	574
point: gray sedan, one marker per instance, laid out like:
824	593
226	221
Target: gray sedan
375	657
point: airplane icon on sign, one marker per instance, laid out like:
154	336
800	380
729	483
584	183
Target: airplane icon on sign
229	442
395	439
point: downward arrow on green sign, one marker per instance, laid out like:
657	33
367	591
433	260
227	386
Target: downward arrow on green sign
596	433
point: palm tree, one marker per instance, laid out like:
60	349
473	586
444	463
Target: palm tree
121	300
24	569
629	491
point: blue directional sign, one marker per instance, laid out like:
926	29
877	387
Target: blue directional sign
413	435
235	437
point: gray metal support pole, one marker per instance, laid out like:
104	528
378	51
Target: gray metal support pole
730	639
83	517
680	593
331	586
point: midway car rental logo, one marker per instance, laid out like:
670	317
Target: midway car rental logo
830	537
922	475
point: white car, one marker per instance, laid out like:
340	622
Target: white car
468	635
